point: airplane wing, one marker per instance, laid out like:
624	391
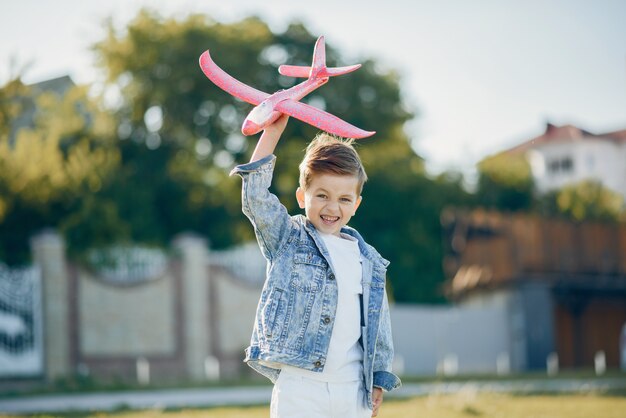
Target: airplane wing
304	72
228	83
294	71
320	119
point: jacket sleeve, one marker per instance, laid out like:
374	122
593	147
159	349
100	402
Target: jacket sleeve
272	224
383	358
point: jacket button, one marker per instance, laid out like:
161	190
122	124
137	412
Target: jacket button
327	320
331	276
317	363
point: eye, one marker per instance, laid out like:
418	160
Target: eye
321	195
346	200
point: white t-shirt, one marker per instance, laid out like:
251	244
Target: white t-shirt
343	361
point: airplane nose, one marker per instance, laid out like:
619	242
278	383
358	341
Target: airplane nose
250	128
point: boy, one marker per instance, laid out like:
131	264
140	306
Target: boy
322	332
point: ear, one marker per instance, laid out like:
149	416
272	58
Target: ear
357	204
300	197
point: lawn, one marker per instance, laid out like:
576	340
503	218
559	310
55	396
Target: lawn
465	404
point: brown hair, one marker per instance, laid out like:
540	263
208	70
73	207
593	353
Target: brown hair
330	154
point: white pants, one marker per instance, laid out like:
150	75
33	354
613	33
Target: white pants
296	396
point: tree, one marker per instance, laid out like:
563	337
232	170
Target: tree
54	149
505	183
400	216
196	140
584	201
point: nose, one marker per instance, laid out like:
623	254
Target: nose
250	128
332	206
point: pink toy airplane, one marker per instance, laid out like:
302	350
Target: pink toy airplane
268	107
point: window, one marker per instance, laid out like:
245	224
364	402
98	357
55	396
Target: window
561	165
567	165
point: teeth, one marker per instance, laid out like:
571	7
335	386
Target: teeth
329	218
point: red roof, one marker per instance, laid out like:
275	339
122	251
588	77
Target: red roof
566	132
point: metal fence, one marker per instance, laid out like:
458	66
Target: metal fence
21	336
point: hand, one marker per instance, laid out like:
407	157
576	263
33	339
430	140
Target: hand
377	400
278	126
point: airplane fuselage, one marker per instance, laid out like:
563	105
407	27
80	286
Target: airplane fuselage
264	113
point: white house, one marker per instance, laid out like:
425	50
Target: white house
566	154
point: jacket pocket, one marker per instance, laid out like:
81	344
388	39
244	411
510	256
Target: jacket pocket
308	271
271	311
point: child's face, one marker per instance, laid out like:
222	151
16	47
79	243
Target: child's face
330	201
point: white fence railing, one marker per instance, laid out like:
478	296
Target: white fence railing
127	265
244	261
21	336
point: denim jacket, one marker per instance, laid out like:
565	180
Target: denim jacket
293	321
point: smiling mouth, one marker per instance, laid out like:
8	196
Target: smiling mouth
329	220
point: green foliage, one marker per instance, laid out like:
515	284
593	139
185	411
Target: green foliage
584	201
400	217
505	182
48	161
174	175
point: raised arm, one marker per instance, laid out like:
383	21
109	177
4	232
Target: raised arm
272	224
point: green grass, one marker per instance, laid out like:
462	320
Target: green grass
587	374
464	404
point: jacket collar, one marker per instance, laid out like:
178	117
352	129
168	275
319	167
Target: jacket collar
367	250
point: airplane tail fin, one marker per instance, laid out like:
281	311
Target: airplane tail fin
318	68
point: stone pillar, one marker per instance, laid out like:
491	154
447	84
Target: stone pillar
49	254
194	270
622	346
538	311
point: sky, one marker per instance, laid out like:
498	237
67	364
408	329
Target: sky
482	75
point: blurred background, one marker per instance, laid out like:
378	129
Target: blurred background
497	181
